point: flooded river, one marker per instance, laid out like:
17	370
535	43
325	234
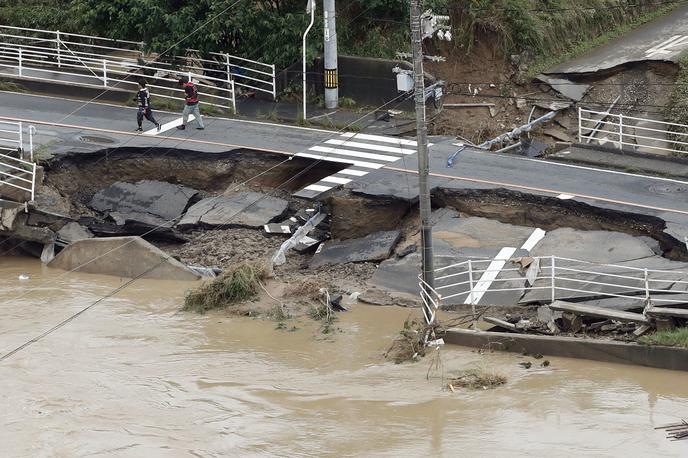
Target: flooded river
133	377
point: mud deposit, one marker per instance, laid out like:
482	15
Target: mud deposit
135	377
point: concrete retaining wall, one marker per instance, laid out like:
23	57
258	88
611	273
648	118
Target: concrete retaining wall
126	257
673	358
368	81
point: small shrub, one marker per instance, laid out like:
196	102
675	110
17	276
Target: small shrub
230	288
347	102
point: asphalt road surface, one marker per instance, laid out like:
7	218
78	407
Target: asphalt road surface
664	39
62	122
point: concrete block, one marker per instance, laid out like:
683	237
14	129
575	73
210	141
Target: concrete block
126	257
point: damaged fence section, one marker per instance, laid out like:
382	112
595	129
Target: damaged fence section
632	132
551	278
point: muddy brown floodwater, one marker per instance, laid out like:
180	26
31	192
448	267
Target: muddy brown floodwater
133	377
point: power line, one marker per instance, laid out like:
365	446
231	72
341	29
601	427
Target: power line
172	220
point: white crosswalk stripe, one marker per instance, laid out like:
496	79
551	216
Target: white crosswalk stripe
364	152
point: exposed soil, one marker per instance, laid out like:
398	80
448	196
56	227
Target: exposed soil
487	77
80	176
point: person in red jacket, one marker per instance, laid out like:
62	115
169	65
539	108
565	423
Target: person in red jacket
191	107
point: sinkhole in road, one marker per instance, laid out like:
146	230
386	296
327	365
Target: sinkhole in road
357	215
79	176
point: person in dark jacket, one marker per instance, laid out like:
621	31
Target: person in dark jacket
191	107
143	100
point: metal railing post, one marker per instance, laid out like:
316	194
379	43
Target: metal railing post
59	49
647	285
20	61
274	83
470	284
21	139
105	79
620	131
32	130
234	110
553	269
580	125
229	70
33	183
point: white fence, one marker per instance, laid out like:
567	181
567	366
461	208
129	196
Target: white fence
17	172
622	130
558	278
100	62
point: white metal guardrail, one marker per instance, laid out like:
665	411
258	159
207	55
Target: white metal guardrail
560	278
622	130
17	172
101	62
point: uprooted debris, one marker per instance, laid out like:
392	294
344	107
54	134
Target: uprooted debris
230	288
410	344
676	431
476	379
655	326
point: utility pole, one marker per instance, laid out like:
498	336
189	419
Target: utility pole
331	72
310	9
428	271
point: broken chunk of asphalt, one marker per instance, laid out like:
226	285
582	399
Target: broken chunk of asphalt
147	202
246	209
374	247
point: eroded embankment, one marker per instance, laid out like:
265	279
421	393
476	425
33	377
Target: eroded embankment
352	214
77	177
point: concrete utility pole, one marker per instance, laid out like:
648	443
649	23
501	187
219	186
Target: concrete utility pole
331	73
310	8
423	161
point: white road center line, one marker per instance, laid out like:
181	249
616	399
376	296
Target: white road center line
495	267
537	235
490	275
167	126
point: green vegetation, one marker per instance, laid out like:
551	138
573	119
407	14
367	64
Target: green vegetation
675	338
600	29
676	110
11	86
270	30
477	379
230	288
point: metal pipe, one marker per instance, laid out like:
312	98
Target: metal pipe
309	9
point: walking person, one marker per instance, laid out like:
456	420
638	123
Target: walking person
143	100
191	107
